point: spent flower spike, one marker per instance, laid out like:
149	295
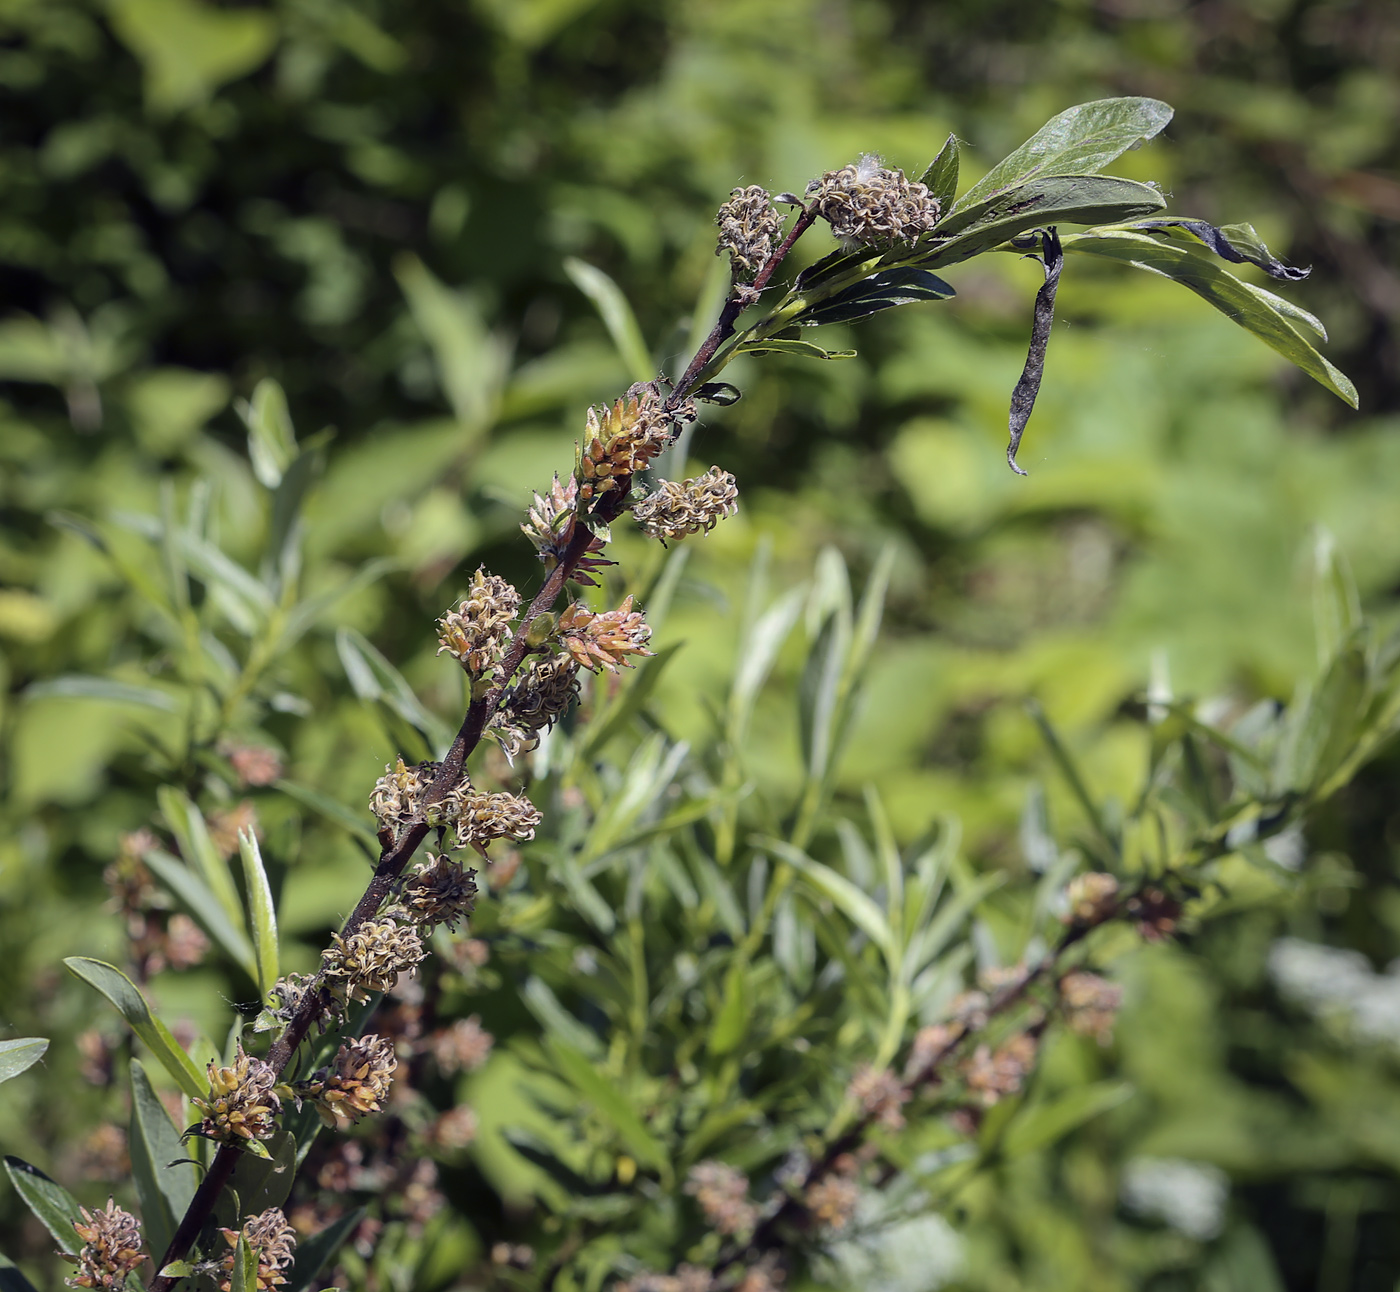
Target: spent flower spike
604	641
111	1248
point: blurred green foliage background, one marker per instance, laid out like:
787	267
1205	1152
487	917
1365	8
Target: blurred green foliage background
374	203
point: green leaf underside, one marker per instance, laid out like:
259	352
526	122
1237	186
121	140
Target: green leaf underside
53	1206
1079	141
20	1055
131	1005
1061	199
1186	261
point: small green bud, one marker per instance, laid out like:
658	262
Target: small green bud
481	687
541	629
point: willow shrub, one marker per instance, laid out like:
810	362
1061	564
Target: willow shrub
738	1037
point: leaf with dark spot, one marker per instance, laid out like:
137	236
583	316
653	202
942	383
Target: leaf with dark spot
1237	243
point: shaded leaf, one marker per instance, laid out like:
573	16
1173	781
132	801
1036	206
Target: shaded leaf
787	345
165	1182
904	285
313	1253
131	1005
11	1280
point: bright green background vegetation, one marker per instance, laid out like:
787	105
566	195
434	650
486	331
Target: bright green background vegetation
375	204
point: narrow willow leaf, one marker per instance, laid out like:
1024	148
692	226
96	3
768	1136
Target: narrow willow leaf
1042	1124
1028	387
1079	141
1336	602
786	345
472	365
307	612
756	659
245	1268
20	1055
314	1252
610	1103
1185	261
891	863
849	900
262	910
53	1206
333	810
374	678
165	1183
1324	726
131	1005
199	901
617	317
272	440
1063	199
732	1020
941	177
838	264
541	1001
186	823
80	686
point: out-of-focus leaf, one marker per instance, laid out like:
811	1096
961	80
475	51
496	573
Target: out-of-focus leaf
1042	203
941	177
165	1183
617	316
199	901
855	905
272	440
1043	1124
1336	602
1078	141
1324	725
472	365
309	611
20	1055
610	1103
757	655
79	686
53	1206
1175	255
262	910
187	824
374	678
131	1005
556	1020
333	810
732	1019
313	1253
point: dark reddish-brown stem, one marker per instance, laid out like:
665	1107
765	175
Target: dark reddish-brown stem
479	712
768	1234
391	865
733	307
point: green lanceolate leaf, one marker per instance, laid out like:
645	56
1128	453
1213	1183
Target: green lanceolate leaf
20	1055
260	906
1061	199
132	1006
198	899
334	811
374	678
610	1103
849	900
245	1268
313	1254
617	317
165	1182
272	441
1079	141
53	1206
837	264
1043	1124
941	177
1180	257
786	345
82	686
186	823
